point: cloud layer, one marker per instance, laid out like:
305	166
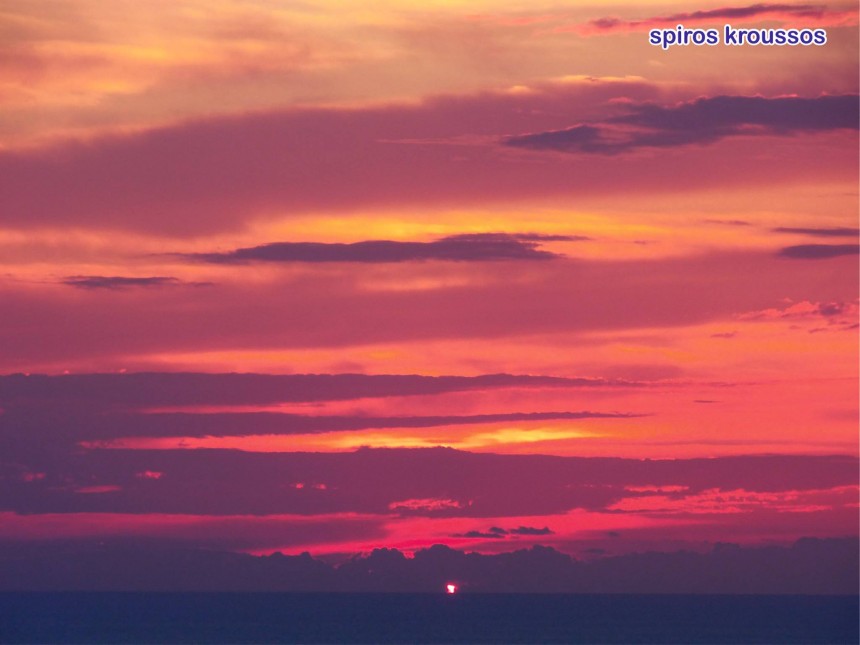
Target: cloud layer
217	175
819	251
432	483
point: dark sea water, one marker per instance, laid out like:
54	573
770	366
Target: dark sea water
424	618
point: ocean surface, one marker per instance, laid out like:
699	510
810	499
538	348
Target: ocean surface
96	617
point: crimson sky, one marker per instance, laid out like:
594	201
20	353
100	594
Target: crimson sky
314	276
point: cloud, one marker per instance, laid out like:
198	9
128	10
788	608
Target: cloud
470	247
702	121
433	482
819	251
497	532
810	14
219	174
585	138
728	222
215	174
48	420
531	530
731	113
184	531
834	308
820	232
340	307
805	309
119	282
809	566
490	535
161	389
426	506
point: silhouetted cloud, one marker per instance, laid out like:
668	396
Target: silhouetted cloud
840	231
490	535
497	532
462	248
808	310
121	282
702	121
819	251
341	308
809	566
768	11
530	530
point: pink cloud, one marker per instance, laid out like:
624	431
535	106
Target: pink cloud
216	175
561	296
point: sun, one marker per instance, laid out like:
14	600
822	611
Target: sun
451	588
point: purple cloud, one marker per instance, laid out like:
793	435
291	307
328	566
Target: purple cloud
46	421
195	178
120	282
497	532
702	121
561	296
388	482
819	251
489	535
530	530
156	389
820	232
471	247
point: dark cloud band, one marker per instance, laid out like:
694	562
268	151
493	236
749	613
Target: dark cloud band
702	121
458	248
819	251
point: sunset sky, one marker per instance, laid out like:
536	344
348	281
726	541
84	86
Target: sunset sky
329	276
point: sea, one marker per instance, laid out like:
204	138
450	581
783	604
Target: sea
132	617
